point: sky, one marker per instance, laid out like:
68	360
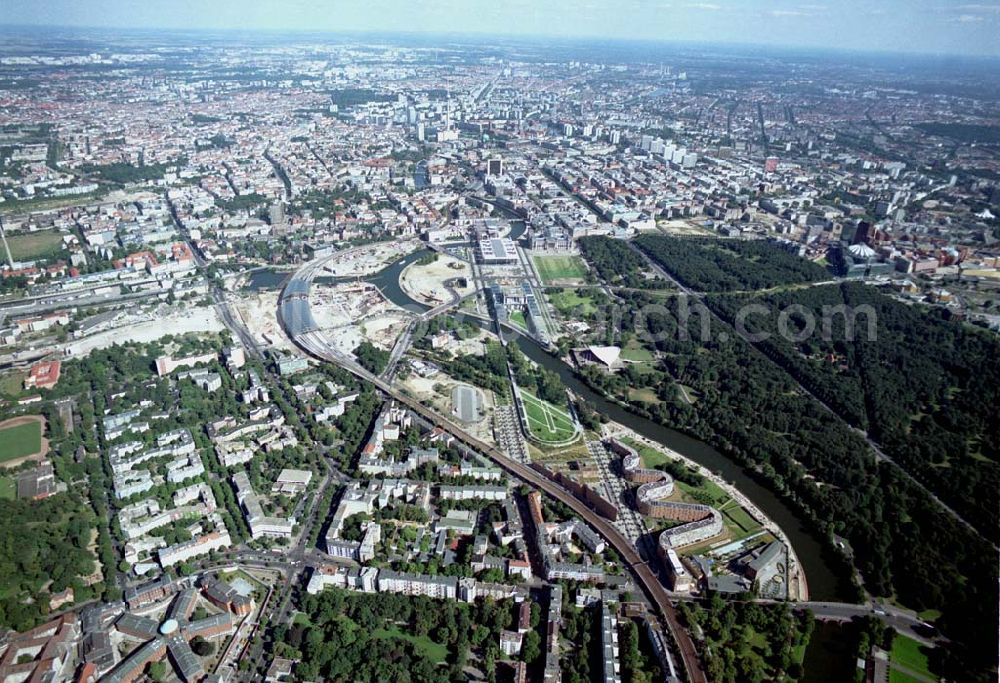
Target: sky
955	27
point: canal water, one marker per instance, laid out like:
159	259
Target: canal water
824	584
830	654
267	278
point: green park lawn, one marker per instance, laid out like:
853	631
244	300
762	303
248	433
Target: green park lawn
634	352
12	383
517	319
650	457
645	395
547	423
8	488
741	518
567	301
434	651
19	441
34	245
708	492
552	268
911	654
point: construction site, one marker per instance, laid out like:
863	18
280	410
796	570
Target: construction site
350	313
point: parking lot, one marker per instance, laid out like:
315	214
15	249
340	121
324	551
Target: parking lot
629	521
507	427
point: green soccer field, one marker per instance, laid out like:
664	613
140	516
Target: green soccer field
546	422
34	245
552	268
19	441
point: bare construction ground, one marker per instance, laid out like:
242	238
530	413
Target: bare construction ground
683	228
369	259
149	326
437	391
259	314
426	282
350	313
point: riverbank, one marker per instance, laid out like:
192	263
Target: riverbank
429	283
798	588
827	580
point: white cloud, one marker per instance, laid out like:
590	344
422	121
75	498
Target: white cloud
968	19
788	13
707	6
990	9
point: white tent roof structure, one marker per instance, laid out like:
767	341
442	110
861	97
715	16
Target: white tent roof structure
605	354
861	251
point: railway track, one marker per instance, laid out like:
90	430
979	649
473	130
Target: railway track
315	345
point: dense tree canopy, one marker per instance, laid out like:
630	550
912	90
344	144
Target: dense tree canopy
372	358
749	642
903	544
358	637
925	388
713	265
617	263
41	542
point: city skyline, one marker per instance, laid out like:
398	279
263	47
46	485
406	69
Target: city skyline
923	27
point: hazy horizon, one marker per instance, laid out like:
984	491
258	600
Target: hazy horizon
887	26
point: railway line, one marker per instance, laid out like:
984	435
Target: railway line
313	342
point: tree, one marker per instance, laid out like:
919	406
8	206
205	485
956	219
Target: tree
157	670
202	647
531	647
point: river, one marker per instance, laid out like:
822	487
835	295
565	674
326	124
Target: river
824	584
267	278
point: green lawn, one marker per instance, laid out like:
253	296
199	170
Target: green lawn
650	457
633	351
910	653
708	492
517	318
12	383
34	245
8	488
899	677
19	441
645	395
567	301
552	268
742	519
435	651
547	423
